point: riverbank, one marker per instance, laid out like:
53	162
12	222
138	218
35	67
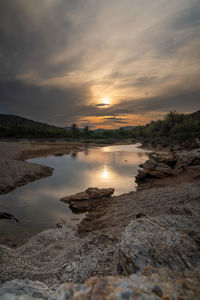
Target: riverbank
152	233
15	171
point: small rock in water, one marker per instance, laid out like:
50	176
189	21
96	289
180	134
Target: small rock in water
84	201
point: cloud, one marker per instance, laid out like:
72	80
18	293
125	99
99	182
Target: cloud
101	104
60	57
116	120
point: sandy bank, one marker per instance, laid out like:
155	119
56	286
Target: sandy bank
15	171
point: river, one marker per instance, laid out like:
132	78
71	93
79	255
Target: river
37	206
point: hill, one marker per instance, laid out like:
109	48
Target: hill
9	120
194	116
12	126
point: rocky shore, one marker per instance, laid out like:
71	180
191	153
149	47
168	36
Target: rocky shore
15	171
140	245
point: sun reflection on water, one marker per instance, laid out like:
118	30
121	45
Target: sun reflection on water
105	174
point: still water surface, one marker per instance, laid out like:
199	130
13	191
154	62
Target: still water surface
37	206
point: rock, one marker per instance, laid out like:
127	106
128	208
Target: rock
154	284
186	159
24	289
167	164
161	170
140	215
97	256
150	164
99	193
166	158
152	168
15	173
163	241
85	201
76	197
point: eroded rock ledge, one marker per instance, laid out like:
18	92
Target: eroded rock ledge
85	201
175	166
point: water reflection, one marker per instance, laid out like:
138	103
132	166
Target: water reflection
37	204
105	174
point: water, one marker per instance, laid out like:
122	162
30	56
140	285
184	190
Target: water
37	206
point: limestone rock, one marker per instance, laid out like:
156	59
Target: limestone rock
154	284
24	290
186	159
164	241
76	197
152	168
99	193
85	201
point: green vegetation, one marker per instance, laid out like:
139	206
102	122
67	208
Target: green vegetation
174	128
32	131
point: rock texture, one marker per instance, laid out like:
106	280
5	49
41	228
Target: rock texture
185	164
152	168
153	284
24	289
85	201
164	241
185	159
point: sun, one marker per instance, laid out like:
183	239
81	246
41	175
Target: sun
106	101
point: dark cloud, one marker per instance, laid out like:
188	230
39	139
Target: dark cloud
48	104
116	120
60	57
101	104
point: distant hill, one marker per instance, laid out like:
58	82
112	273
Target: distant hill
195	116
128	127
11	120
99	130
12	126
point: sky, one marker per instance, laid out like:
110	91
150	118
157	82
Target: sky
102	63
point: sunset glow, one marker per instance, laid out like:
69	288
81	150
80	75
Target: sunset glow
74	63
106	101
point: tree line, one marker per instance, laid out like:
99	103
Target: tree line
174	127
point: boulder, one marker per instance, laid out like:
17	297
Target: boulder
186	159
164	241
152	168
85	201
154	284
150	164
24	290
161	170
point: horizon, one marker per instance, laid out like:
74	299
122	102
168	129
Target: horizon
97	128
105	64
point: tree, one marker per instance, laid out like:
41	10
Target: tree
75	130
86	130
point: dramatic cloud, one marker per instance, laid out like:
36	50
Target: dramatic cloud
101	105
60	58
